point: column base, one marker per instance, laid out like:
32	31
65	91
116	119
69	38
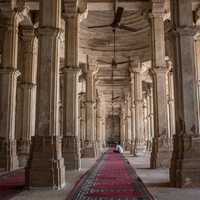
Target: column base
99	148
127	145
23	150
149	145
46	165
185	163
161	154
133	148
71	152
8	155
90	150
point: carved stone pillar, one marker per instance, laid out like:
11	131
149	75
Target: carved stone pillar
98	124
160	155
9	21
28	90
197	72
133	130
82	118
138	102
123	125
71	139
149	118
127	124
46	165
171	111
185	164
145	119
100	121
90	143
71	144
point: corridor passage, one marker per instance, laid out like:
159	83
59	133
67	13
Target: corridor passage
111	178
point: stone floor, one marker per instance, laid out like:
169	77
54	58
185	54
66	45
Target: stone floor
157	182
71	178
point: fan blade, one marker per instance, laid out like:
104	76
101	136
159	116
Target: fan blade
118	17
127	28
124	62
104	62
101	26
116	97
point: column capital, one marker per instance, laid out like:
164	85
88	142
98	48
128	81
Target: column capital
10	71
74	8
12	16
69	69
28	33
28	85
135	66
49	31
157	8
91	65
159	70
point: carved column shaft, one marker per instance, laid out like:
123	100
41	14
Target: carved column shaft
46	164
145	118
149	137
139	128
123	125
171	104
82	119
90	143
99	123
133	130
8	82
160	151
127	123
28	87
186	150
71	144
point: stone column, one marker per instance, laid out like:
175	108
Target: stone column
151	114
136	76
123	125
185	164
98	124
149	118
71	139
103	119
160	155
127	124
145	119
197	72
46	164
133	130
28	90
9	20
90	143
171	111
100	120
82	118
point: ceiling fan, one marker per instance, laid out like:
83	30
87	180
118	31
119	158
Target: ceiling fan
116	23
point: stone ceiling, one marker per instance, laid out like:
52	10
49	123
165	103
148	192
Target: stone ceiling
99	42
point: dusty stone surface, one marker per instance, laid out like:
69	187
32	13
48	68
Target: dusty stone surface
157	180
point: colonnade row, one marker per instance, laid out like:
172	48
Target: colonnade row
54	148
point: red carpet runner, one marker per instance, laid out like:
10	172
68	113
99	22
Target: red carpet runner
112	178
11	184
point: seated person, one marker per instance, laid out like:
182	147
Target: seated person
118	149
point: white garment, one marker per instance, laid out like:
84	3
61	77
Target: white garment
119	148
